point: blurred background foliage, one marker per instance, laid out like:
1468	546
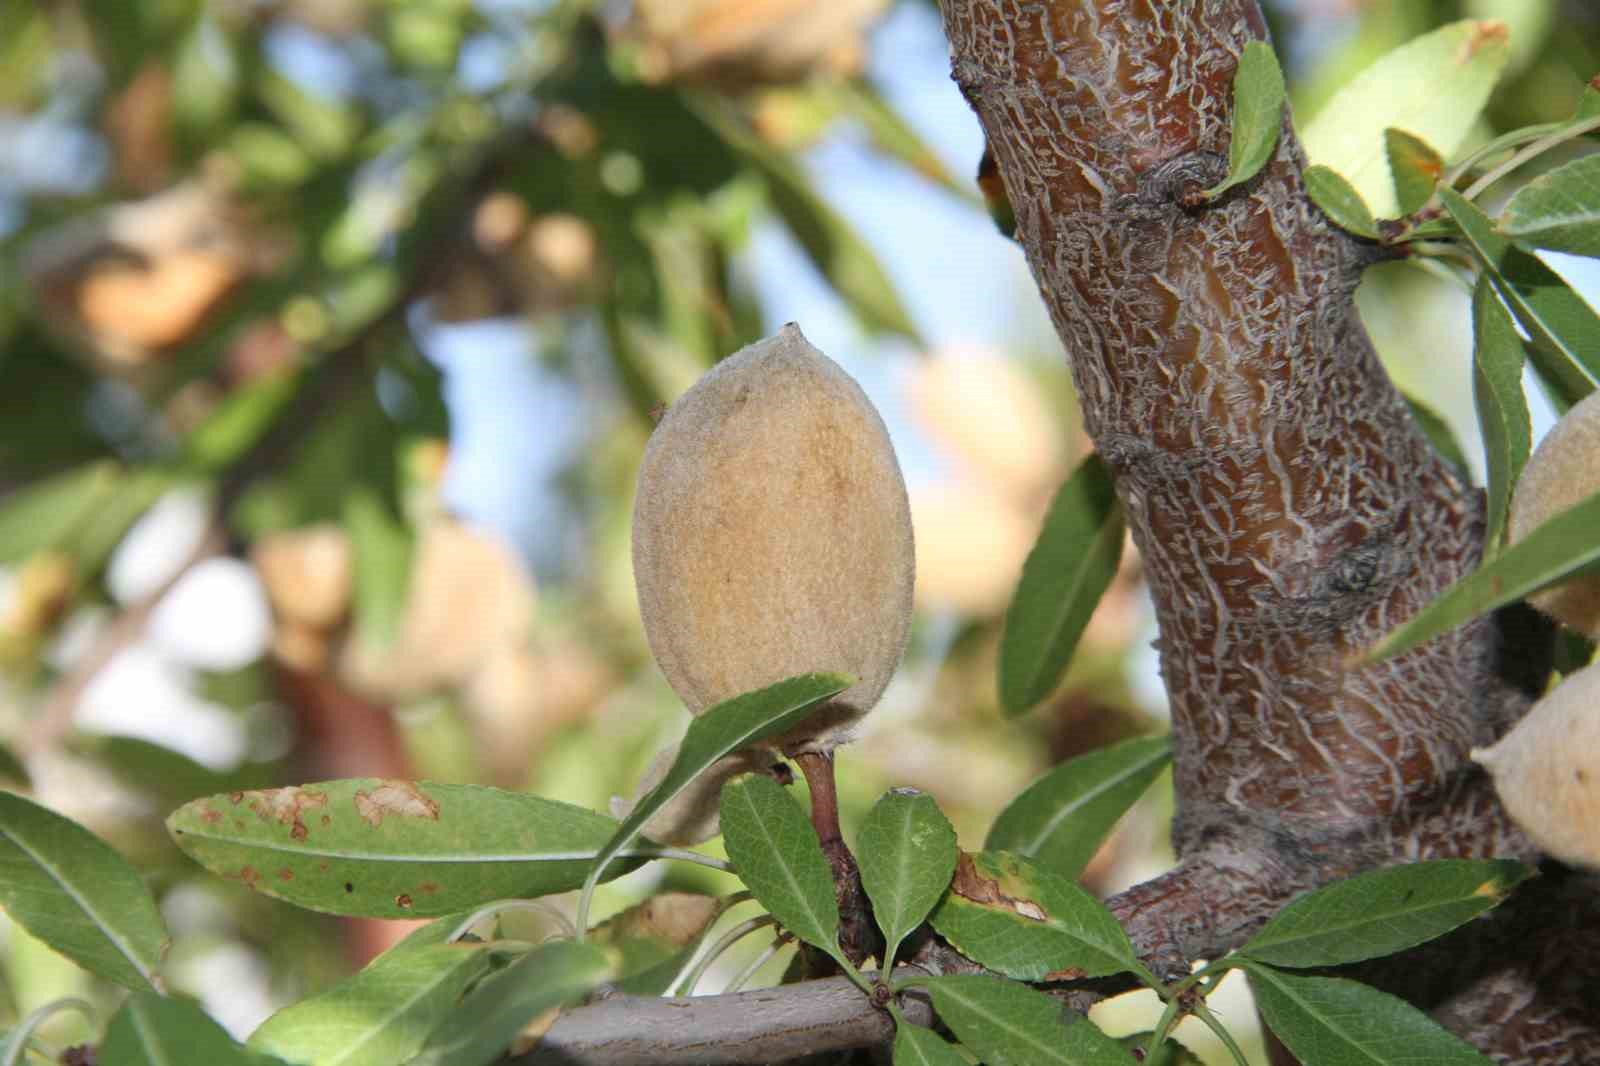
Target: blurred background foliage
331	332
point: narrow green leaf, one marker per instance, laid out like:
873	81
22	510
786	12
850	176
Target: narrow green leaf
1340	201
916	1046
726	728
1554	551
239	421
382	549
1416	168
1170	1053
1588	103
152	1030
779	857
1433	86
393	849
1334	1022
893	136
1438	432
907	851
1564	329
16	1043
1383	911
484	1025
1257	115
43	514
1559	210
1010	1024
1060	820
1021	920
1068	570
383	1014
832	244
74	892
1502	407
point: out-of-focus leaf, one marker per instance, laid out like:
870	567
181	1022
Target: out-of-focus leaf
152	1030
1060	820
1340	201
239	421
778	855
1559	210
1338	1022
1019	919
267	157
71	890
383	549
1258	97
1383	911
845	260
907	851
894	136
43	514
1502	407
11	768
1416	168
383	1014
205	79
172	779
1433	87
1070	567
1565	330
1550	553
655	939
1438	432
480	1030
92	543
393	849
728	727
327	128
1010	1024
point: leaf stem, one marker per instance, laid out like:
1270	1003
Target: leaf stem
1537	148
723	943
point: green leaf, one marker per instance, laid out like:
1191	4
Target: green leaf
916	1046
1502	407
1433	87
1060	820
893	136
43	514
845	260
480	1030
1383	911
393	849
383	1014
382	546
1010	1024
1170	1053
67	887
1257	115
655	939
1019	919
11	768
1340	201
1069	568
907	851
1554	551
1416	168
1334	1022
152	1030
726	728
778	856
239	421
1564	329
1559	210
1438	432
1588	103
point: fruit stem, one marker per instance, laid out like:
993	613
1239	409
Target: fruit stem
858	935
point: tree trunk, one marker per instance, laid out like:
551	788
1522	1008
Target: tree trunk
1288	509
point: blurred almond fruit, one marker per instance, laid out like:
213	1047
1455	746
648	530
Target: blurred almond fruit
1563	470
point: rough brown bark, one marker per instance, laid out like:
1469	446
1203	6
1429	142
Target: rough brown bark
1288	510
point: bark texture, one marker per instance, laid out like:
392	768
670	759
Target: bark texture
1288	509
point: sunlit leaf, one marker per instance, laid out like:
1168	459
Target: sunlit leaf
779	857
1340	201
71	890
1010	1024
1331	1021
1555	550
1071	565
393	849
1559	210
1416	168
1062	818
906	850
1258	97
480	1030
1432	87
1383	911
42	515
1565	330
1502	407
1019	919
1438	432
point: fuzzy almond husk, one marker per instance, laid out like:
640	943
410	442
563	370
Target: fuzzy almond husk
1547	770
772	536
1563	470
